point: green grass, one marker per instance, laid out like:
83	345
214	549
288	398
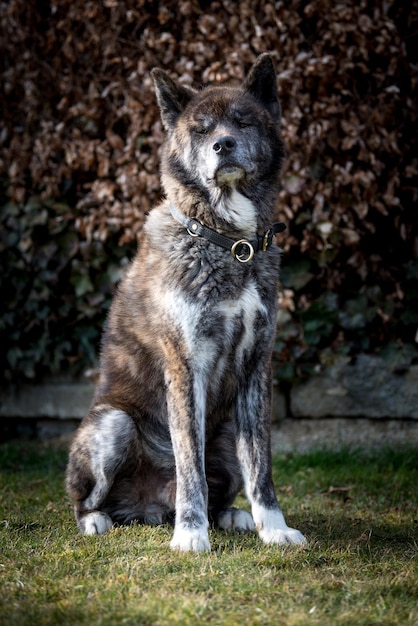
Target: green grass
359	511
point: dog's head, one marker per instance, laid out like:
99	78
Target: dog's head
222	139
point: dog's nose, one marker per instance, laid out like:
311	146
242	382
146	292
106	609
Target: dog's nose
224	144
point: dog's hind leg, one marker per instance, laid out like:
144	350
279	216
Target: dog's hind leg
235	519
224	479
101	447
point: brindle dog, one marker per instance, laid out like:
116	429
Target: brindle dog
180	422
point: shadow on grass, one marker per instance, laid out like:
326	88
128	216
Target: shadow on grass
371	505
357	568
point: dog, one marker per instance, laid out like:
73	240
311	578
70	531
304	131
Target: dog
180	421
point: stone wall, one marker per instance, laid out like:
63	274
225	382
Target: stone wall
351	403
364	388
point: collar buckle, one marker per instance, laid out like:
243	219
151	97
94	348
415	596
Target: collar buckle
266	240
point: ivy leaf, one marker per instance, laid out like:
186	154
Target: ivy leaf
82	284
296	275
399	357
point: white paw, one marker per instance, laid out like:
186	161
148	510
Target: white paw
95	523
281	537
272	528
236	519
190	540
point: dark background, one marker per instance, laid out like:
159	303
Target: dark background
79	166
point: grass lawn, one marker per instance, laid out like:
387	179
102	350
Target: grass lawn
358	510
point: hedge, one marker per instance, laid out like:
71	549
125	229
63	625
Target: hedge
79	166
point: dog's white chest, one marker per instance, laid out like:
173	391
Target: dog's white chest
239	317
213	335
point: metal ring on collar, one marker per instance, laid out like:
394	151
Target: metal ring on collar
241	257
193	229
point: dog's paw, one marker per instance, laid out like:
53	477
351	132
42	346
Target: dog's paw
190	540
282	537
236	519
95	523
272	528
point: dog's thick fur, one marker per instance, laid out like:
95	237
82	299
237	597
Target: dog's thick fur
181	417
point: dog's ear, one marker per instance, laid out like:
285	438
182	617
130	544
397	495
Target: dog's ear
261	83
172	98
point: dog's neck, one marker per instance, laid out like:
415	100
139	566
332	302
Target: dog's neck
235	209
228	209
242	249
228	212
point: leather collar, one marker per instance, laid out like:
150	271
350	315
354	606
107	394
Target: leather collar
242	250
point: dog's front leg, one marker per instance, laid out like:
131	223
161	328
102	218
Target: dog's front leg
186	416
254	452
